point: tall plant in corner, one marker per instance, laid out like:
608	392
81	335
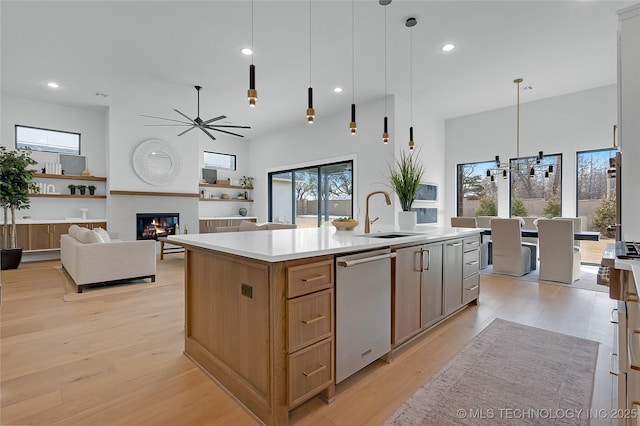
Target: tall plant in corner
405	177
16	181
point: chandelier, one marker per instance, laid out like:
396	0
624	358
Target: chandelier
505	169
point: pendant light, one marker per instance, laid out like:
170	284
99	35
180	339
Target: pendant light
252	94
311	113
385	129
353	127
410	23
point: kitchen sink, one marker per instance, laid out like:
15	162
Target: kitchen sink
388	235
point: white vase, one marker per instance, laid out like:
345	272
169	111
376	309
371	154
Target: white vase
407	220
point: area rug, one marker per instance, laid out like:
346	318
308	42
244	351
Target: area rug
508	374
70	293
587	280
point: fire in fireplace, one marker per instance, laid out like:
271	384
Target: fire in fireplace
150	226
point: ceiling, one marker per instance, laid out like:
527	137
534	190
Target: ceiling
148	55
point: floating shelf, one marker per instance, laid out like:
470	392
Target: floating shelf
72	177
67	196
230	199
215	185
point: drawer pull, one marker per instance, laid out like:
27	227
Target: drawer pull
316	371
611	355
633	361
454	245
473	243
315	278
474	288
611	320
632	297
316	319
474	262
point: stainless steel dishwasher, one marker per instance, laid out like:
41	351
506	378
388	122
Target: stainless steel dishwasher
363	310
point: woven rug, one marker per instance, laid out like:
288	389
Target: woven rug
508	374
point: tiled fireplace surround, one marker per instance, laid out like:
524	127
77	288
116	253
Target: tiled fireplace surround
123	209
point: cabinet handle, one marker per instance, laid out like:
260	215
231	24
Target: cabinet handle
611	355
473	243
611	320
633	363
48	229
316	319
631	297
454	244
428	267
417	266
473	262
315	278
474	288
316	371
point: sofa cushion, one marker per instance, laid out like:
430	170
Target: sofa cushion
251	226
87	236
104	234
73	229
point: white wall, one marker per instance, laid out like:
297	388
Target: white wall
91	123
562	124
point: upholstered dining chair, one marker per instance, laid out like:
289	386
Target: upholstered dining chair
463	222
559	258
509	256
577	226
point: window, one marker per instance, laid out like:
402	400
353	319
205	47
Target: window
311	196
47	140
539	194
219	161
477	194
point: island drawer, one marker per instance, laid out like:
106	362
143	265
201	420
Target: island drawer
310	371
309	319
471	263
308	278
471	243
470	288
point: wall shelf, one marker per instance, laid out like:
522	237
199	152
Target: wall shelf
67	196
230	199
72	177
214	185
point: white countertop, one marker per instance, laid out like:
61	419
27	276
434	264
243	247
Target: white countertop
287	244
630	265
68	220
228	217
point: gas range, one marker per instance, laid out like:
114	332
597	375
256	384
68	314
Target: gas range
627	250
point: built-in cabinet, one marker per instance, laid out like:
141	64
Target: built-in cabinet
211	225
46	236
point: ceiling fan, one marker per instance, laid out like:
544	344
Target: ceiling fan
204	125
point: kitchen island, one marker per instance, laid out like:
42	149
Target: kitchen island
260	306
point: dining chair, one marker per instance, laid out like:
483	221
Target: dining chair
577	226
559	258
509	256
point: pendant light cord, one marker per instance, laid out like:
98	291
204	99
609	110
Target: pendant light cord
353	54
411	72
385	61
309	43
518	123
251	32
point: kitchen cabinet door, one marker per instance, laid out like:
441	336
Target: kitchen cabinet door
39	236
58	229
452	275
405	294
23	235
431	284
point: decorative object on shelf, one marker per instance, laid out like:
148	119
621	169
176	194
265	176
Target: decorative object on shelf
53	168
344	223
156	162
225	182
92	189
246	181
83	212
72	164
16	176
505	169
82	189
209	175
242	211
405	179
241	196
198	123
72	189
225	196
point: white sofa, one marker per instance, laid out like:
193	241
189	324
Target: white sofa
90	257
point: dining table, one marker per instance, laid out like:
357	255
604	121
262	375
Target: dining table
533	233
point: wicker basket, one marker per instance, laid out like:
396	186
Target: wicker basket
345	226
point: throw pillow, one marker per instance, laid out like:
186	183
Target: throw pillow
104	234
73	230
245	225
89	237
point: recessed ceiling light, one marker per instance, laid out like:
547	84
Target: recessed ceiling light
53	84
246	51
338	89
448	47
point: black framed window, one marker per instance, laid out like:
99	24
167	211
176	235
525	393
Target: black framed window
595	189
219	161
477	193
47	140
536	187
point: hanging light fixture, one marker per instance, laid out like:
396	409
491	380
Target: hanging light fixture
252	94
311	113
353	127
504	168
410	23
385	131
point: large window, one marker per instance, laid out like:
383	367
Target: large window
536	187
219	161
48	140
311	196
477	193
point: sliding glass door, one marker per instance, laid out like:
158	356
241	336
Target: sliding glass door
311	196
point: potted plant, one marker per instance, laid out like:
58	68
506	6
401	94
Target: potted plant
82	189
405	177
92	189
246	181
16	182
72	189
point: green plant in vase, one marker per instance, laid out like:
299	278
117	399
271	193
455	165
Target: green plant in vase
82	189
72	189
404	179
92	189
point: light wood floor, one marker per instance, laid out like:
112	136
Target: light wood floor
117	359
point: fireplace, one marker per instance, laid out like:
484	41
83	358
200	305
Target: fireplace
150	226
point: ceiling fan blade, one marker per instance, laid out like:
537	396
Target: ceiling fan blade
213	126
189	129
208	134
169	125
168	119
224	131
214	119
185	116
